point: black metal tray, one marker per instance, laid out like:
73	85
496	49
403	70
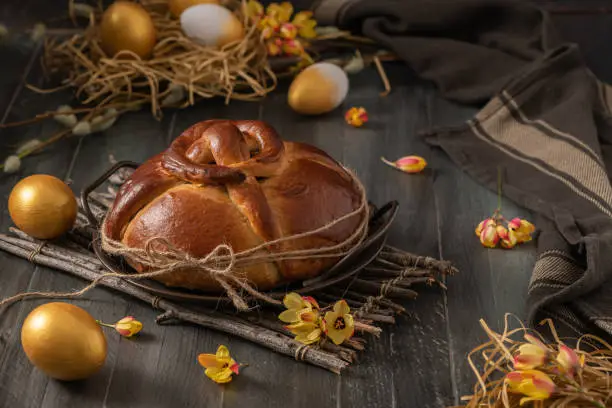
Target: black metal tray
347	267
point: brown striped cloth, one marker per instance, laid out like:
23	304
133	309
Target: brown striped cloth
545	119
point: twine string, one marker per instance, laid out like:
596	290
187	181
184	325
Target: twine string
300	352
160	258
36	251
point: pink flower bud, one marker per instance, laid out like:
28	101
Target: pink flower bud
408	164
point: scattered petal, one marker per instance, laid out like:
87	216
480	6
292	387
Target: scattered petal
219	366
408	164
12	164
356	116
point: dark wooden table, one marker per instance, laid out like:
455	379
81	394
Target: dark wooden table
420	362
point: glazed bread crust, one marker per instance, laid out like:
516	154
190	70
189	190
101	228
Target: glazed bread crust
236	183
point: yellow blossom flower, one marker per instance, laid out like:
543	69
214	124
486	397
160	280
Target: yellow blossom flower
274	47
338	324
219	367
530	355
293	47
356	116
568	360
288	31
305	24
128	326
254	9
297	307
267	32
281	12
534	384
506	237
522	229
306	332
488	235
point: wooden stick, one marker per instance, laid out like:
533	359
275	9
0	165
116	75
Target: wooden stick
384	302
384	289
383	76
212	319
394	273
407	259
375	317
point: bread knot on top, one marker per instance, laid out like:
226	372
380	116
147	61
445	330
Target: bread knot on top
237	183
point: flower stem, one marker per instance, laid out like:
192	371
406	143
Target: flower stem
105	324
499	189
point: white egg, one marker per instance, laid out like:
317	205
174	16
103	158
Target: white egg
318	89
211	25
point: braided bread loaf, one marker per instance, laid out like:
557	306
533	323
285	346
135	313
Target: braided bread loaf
238	183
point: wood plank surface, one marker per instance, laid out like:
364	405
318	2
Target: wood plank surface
420	362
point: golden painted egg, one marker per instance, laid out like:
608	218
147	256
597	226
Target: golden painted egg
211	25
177	7
318	89
63	341
42	206
127	26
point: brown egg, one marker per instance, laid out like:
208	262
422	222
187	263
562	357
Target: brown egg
127	26
42	206
318	89
63	341
177	7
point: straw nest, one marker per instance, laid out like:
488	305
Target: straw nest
179	72
589	386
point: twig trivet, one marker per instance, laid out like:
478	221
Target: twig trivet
213	320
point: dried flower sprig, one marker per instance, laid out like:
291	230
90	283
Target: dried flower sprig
519	369
126	327
284	35
308	325
220	366
407	164
496	230
356	117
